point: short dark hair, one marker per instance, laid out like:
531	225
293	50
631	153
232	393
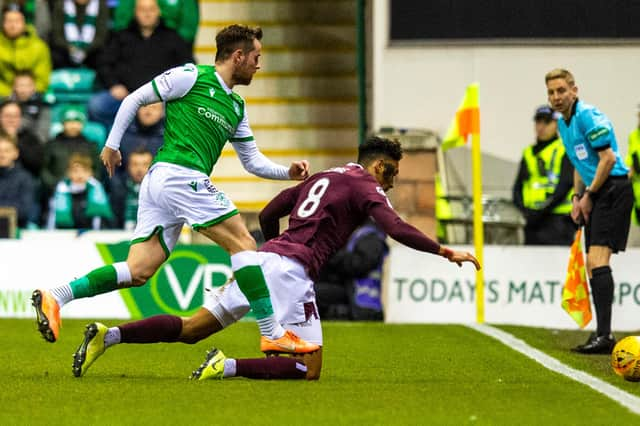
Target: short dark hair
24	73
13	7
375	147
234	37
141	150
7	102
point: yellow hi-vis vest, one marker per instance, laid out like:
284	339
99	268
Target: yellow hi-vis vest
634	150
443	209
544	175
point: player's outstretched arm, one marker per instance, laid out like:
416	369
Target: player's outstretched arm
410	236
256	163
459	257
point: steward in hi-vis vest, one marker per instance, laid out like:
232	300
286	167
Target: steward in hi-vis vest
633	162
543	187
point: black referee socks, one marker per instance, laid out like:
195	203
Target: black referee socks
602	289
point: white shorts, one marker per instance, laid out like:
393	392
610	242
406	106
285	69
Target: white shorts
292	296
172	195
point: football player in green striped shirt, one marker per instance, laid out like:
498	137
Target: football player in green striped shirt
202	114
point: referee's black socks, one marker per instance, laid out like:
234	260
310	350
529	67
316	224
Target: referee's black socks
602	289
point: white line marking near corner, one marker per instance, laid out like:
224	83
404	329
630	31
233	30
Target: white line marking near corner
623	398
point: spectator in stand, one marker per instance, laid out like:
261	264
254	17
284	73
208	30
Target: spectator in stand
36	13
80	29
133	57
16	185
32	150
182	16
349	285
21	49
36	114
59	150
145	132
79	201
125	189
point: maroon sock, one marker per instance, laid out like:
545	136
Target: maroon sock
271	368
161	328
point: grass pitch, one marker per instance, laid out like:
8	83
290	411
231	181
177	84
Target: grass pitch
372	374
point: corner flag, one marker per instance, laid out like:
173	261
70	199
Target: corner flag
575	293
466	122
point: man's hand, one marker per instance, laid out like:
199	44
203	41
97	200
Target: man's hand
586	204
118	91
459	257
576	212
111	158
299	170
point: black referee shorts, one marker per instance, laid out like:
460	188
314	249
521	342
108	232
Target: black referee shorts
611	215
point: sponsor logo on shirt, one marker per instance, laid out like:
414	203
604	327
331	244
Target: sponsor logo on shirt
216	118
596	133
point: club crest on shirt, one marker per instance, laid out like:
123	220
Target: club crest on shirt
236	108
212	92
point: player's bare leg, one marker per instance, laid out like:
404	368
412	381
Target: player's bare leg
233	236
602	285
143	261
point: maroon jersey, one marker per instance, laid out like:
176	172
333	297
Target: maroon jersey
325	209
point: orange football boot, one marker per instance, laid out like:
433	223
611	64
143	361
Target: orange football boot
47	314
290	343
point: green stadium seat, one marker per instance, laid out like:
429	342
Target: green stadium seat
71	85
96	133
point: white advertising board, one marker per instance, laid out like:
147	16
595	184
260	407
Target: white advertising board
523	286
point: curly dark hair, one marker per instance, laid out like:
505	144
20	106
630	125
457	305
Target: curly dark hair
375	147
234	37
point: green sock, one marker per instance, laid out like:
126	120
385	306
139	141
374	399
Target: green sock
251	281
98	281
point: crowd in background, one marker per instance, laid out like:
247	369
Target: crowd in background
50	169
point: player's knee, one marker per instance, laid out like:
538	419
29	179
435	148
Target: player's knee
139	276
313	369
313	374
190	333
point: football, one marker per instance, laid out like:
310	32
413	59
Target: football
625	358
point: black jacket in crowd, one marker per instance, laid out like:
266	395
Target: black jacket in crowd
57	156
132	60
17	190
32	152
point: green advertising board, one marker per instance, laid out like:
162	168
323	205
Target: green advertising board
180	285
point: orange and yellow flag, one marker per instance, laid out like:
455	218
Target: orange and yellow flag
575	293
466	122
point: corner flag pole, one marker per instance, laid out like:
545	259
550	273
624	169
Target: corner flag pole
478	232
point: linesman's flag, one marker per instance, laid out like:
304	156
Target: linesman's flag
575	294
466	122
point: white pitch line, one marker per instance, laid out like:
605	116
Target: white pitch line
623	398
